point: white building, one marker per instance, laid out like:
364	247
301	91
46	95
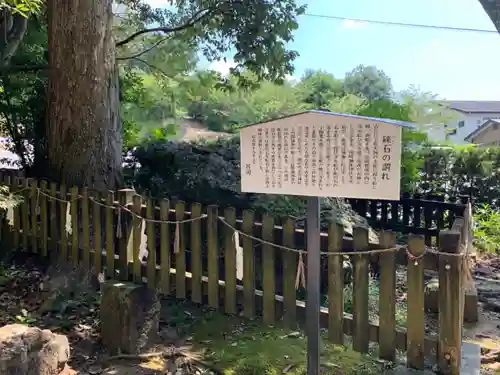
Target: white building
468	116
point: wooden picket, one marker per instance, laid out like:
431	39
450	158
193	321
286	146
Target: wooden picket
416	333
387	298
335	285
194	253
230	260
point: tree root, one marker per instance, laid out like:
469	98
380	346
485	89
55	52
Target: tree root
166	354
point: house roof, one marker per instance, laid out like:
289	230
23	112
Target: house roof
338	114
472	106
486	124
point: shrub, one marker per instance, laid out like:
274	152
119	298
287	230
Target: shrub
487	229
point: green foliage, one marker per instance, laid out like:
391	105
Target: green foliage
256	31
223	110
462	170
23	100
368	82
7	199
23	7
317	89
487	228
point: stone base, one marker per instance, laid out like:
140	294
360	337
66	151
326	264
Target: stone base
129	317
31	351
470	363
471	308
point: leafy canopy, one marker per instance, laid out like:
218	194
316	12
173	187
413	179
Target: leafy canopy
255	32
23	7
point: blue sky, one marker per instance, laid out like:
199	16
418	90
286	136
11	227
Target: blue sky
455	65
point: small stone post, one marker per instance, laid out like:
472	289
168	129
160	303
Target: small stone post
129	317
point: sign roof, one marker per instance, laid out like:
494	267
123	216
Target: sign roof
399	123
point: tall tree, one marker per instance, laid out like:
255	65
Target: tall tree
84	134
318	88
369	82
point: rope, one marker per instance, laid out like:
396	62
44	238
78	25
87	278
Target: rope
328	253
261	241
120	207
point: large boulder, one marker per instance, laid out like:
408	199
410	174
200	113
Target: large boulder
31	351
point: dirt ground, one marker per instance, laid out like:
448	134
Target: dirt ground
66	300
27	296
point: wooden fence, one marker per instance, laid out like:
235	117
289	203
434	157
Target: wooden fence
416	214
192	254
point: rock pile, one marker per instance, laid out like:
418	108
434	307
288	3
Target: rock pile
31	351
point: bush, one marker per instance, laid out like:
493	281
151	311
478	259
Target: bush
206	173
487	229
461	171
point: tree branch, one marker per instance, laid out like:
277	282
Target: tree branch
196	18
144	51
13	34
150	66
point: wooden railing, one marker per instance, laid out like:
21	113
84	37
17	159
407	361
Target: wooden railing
197	260
417	214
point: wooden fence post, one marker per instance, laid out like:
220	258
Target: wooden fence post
17	214
268	266
416	315
387	297
230	260
151	243
137	234
123	235
248	266
450	303
213	256
109	213
360	307
85	227
179	251
165	245
335	284
289	271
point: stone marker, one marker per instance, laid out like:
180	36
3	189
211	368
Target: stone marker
129	317
471	314
32	351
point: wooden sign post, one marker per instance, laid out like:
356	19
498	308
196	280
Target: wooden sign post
321	154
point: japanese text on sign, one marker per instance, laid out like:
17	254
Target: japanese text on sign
322	155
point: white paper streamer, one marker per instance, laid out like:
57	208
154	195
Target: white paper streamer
69	224
10	215
143	248
239	256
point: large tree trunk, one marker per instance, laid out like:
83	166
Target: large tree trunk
84	137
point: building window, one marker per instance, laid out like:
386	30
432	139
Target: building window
461	124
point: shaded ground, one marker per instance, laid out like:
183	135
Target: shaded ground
66	300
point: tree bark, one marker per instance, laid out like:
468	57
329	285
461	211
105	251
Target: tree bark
84	135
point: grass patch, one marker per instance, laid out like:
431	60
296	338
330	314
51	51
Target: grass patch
373	303
241	347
